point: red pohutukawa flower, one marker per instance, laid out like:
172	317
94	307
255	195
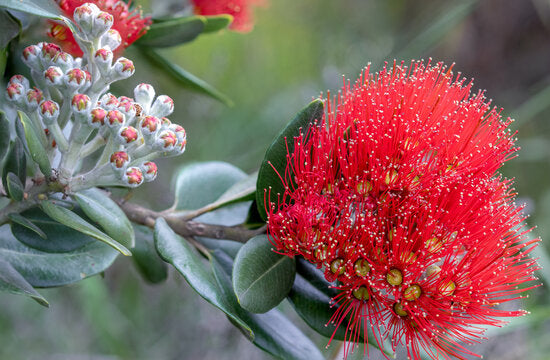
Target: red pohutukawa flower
129	23
239	9
396	195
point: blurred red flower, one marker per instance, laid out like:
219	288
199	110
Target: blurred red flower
395	193
130	24
239	9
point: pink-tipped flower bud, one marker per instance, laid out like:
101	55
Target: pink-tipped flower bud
149	170
81	103
53	75
97	117
167	140
102	22
104	59
165	123
133	176
120	160
49	51
163	106
149	125
34	98
115	119
124	67
127	135
109	101
144	95
112	39
20	79
75	78
84	16
126	105
179	131
49	110
64	60
15	91
30	52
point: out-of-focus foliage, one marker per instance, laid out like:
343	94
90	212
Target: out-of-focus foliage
296	49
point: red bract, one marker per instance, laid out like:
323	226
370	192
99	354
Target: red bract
395	194
239	9
129	23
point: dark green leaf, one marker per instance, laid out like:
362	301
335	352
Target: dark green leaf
72	220
100	208
26	223
200	184
172	32
44	269
35	144
14	187
4	135
183	77
176	251
3	61
273	332
59	238
275	160
243	190
229	247
9	28
261	277
215	23
16	162
44	8
146	258
13	282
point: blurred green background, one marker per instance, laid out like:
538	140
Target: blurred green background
297	50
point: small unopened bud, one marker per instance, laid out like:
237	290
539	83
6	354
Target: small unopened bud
112	39
81	103
163	106
144	95
126	105
165	123
75	78
34	98
115	119
104	59
20	79
109	101
97	117
179	131
119	160
84	15
14	92
149	170
64	60
133	176
149	125
49	52
49	111
102	22
167	140
53	75
127	135
30	53
124	67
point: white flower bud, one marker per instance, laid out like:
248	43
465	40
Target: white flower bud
144	95
163	106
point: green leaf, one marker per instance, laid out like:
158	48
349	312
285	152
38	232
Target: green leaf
229	247
3	61
72	220
216	23
13	282
100	208
273	331
177	252
172	32
14	187
45	269
44	8
261	277
243	190
200	184
26	223
4	135
9	28
16	162
275	160
183	77
34	142
59	237
146	258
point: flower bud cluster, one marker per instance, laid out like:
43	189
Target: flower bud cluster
83	122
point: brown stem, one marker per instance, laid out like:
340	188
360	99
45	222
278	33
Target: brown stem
186	228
